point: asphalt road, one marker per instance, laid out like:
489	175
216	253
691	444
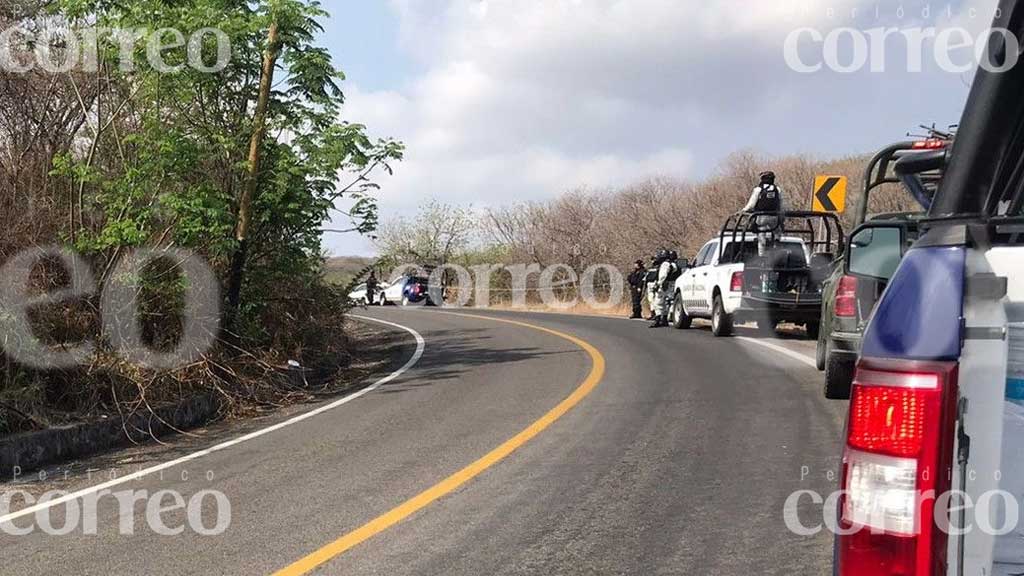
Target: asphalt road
677	460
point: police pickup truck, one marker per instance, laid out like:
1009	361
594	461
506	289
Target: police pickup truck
932	473
729	282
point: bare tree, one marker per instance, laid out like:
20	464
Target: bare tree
439	233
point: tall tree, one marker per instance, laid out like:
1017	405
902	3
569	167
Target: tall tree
236	275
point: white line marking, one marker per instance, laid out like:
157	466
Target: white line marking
420	346
804	359
781	350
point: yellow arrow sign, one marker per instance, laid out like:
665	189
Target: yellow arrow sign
829	194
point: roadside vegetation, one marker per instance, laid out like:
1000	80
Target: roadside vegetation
616	226
241	166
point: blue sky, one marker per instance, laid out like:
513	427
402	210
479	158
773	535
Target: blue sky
514	100
363	38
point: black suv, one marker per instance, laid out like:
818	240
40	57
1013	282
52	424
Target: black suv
875	249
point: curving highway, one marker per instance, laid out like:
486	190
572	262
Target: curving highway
511	443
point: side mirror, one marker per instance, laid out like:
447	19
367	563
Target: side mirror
875	251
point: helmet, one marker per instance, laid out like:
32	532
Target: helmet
640	263
673	255
662	255
767	177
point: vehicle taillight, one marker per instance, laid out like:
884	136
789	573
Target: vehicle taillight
898	459
929	144
736	285
846	297
415	289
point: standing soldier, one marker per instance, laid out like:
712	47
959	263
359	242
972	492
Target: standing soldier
766	200
652	285
637	281
667	273
371	287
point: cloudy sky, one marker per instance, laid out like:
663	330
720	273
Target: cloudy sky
507	100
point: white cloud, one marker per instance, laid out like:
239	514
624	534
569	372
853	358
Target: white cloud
523	99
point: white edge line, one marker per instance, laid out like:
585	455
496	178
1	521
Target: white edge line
781	350
806	360
420	346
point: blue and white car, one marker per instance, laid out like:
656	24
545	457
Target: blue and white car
405	290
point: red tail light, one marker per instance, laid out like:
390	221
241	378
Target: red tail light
898	459
846	297
736	285
929	144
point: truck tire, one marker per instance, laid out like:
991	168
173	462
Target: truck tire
838	377
680	319
820	352
721	323
813	330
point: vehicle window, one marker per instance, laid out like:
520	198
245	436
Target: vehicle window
876	252
700	255
709	254
735	250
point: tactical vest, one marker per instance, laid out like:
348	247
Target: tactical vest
768	199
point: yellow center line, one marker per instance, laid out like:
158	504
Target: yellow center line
453	482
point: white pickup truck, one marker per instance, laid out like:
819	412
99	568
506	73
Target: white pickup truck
712	287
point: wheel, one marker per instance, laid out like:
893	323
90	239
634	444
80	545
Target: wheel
820	352
680	319
383	301
721	323
838	377
813	330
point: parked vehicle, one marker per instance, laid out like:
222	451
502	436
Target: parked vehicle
405	290
728	282
937	402
858	280
359	295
